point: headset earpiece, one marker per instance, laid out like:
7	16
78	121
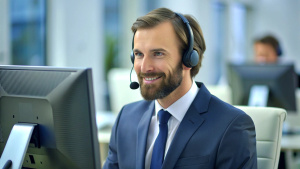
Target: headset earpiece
278	50
132	57
190	57
132	46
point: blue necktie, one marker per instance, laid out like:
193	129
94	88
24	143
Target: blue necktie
160	142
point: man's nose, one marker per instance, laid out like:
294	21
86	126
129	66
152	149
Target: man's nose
147	64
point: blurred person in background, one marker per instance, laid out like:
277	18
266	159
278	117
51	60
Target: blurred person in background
267	49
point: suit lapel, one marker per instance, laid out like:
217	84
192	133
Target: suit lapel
188	126
142	133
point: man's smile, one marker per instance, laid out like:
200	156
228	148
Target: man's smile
149	80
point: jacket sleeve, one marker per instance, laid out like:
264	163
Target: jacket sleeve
237	148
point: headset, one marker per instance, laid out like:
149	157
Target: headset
190	57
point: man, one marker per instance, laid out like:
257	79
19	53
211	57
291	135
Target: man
267	49
179	124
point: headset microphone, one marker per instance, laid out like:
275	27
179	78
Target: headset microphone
133	85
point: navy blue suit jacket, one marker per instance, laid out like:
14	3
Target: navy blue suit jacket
212	135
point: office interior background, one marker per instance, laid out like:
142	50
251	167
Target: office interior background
96	33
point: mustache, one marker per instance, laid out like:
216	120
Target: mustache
152	74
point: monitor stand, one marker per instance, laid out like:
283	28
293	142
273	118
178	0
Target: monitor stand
16	146
258	96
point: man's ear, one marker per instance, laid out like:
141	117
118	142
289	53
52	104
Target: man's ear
186	68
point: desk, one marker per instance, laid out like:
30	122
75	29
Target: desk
289	145
105	121
103	138
290	142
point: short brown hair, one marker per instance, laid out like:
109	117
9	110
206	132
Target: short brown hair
161	15
270	40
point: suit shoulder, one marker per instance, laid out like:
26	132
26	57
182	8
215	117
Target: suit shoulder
226	109
134	107
137	104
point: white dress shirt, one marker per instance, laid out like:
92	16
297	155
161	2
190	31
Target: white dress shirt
178	109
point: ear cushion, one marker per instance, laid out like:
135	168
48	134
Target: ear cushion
279	51
132	57
194	58
191	59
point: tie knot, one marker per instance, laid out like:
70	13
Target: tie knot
163	116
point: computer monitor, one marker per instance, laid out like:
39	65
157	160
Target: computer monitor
272	84
57	105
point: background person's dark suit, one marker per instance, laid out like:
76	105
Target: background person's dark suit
212	134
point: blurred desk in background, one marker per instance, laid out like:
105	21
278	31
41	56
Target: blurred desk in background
290	142
105	121
103	138
290	145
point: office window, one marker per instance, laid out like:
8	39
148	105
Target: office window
28	32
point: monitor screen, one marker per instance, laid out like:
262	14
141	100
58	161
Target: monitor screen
60	102
279	79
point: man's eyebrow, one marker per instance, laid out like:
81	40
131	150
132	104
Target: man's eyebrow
136	50
151	50
158	50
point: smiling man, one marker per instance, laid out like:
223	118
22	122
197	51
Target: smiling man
158	64
179	124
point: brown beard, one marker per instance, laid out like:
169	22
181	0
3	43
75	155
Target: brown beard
167	86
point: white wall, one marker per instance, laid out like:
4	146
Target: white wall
75	39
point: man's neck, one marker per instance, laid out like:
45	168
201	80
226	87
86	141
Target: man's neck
180	91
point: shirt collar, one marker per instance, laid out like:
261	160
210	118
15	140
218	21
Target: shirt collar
180	107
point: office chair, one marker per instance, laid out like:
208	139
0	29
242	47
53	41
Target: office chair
268	125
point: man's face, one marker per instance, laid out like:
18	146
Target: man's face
157	61
264	53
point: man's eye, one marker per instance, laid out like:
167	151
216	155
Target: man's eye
137	54
158	53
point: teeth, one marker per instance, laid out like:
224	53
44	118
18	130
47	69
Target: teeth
151	78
